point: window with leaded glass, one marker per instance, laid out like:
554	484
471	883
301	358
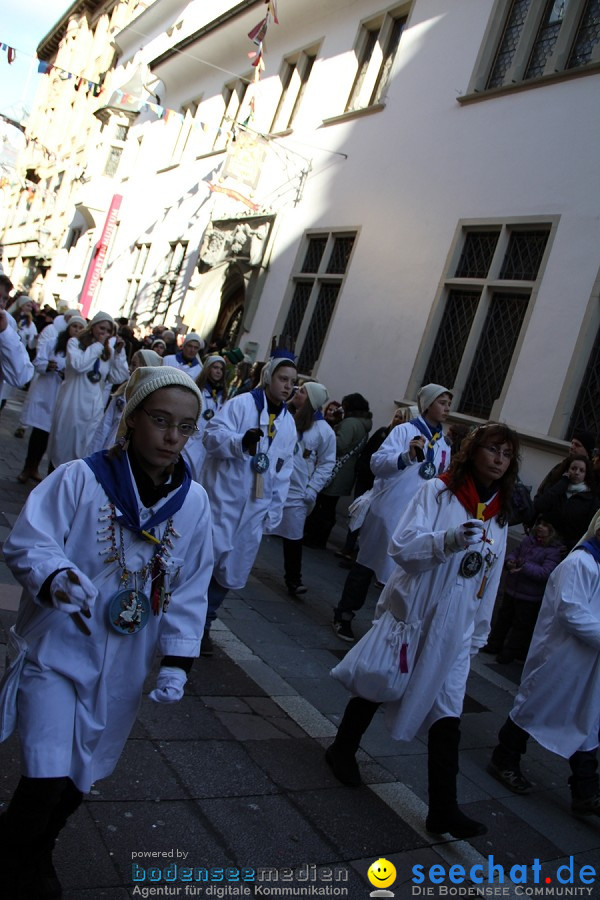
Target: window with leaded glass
163	297
530	40
236	101
483	313
586	413
376	49
316	284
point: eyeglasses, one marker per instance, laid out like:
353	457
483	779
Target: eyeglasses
184	428
495	451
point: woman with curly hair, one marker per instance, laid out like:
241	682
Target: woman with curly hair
449	548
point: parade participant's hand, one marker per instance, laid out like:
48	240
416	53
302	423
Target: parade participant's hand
3	320
251	439
310	498
169	685
52	366
463	536
415	448
72	591
119	344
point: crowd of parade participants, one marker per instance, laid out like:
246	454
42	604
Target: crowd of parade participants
167	461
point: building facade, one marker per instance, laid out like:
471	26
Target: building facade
409	193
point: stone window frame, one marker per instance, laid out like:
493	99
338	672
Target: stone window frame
294	75
490	286
557	64
375	58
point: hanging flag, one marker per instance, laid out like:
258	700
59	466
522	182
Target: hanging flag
235	195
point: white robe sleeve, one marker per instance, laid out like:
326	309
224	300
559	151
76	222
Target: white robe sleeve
417	544
119	369
573	587
15	365
384	463
35	547
281	486
223	434
83	361
326	450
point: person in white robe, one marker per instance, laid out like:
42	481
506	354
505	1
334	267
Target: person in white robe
16	368
106	432
188	358
211	384
314	459
249	458
93	359
558	702
410	455
49	364
114	554
448	547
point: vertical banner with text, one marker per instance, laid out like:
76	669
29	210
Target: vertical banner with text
98	256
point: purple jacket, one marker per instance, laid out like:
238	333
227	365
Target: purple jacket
537	562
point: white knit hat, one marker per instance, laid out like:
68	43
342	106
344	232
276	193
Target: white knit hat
192	336
101	317
148	379
76	320
429	394
211	360
281	358
317	394
149	357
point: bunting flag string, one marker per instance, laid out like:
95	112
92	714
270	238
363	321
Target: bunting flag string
11	53
45	68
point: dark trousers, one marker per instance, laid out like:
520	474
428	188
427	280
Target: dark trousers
354	594
319	523
292	561
216	595
512	744
514	625
38	441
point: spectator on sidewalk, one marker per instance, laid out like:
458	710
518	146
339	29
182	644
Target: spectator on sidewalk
87	633
314	459
412	454
570	502
249	457
529	568
351	435
582	444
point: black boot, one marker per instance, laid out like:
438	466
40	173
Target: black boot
505	764
28	830
444	815
341	755
585	788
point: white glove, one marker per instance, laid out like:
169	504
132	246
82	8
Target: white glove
310	498
463	536
169	685
71	591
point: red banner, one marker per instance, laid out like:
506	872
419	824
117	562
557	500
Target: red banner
94	271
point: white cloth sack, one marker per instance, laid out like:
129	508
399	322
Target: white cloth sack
379	666
9	685
358	510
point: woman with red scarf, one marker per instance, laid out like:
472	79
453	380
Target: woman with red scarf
449	548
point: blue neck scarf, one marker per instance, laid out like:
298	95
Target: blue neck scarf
115	477
592	546
432	437
186	362
259	397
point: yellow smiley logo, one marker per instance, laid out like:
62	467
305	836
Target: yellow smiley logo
381	873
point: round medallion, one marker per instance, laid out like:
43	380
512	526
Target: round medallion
128	611
427	470
260	463
94	377
471	564
208	414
